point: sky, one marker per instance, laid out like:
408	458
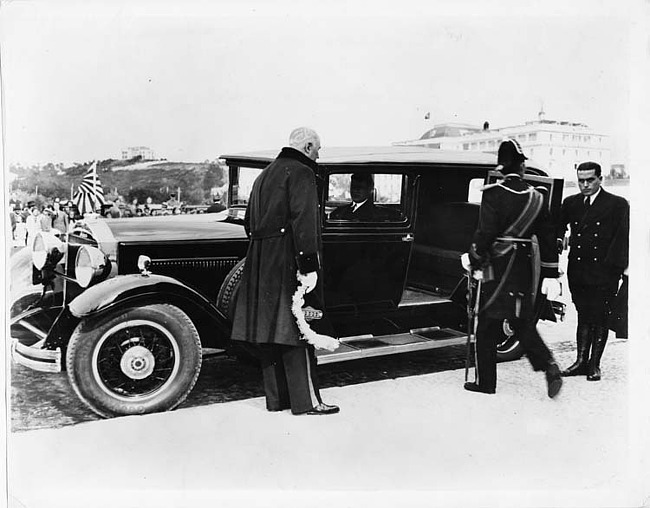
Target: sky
194	80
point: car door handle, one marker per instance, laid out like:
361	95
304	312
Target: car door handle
408	238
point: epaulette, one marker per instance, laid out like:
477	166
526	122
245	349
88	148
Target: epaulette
525	191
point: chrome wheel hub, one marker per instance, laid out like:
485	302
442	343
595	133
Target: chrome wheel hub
137	362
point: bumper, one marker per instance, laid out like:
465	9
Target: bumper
35	358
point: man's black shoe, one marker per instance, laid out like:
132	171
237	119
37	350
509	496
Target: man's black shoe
322	409
474	387
594	375
577	369
553	379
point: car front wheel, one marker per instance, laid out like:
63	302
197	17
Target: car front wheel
140	360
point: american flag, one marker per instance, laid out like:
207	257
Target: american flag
90	194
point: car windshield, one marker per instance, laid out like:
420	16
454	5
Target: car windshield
243	184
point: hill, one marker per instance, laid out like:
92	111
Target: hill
128	179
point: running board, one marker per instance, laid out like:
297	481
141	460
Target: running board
368	346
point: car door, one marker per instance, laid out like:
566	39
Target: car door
366	255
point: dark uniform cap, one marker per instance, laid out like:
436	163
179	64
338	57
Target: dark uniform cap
510	152
588	166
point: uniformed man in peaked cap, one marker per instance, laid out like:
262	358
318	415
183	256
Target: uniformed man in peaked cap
513	249
598	256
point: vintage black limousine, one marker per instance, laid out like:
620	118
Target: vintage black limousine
126	306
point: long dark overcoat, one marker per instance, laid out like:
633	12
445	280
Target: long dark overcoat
282	221
510	294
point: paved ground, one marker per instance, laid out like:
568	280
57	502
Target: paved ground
42	400
417	434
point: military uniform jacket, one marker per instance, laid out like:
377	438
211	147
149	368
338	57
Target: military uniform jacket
282	221
513	290
599	241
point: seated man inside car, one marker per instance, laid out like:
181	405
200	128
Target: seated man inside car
362	208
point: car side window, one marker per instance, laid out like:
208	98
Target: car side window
475	192
365	197
241	188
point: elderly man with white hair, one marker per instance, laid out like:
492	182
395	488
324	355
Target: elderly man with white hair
283	224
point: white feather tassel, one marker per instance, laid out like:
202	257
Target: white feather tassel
317	340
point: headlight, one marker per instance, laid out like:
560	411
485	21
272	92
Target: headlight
91	264
46	249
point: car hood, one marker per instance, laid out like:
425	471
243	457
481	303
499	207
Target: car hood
169	228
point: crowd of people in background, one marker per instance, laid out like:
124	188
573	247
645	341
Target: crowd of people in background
28	219
58	215
172	206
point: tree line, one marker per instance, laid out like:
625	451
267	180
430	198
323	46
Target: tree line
196	181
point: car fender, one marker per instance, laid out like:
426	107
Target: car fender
133	289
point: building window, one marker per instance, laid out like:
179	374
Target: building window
563	151
532	136
550	137
550	151
565	137
465	146
532	151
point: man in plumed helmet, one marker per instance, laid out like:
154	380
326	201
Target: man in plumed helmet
598	257
513	249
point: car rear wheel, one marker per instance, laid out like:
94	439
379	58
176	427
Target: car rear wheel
140	360
508	346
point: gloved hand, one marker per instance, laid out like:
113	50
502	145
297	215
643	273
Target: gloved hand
560	245
551	288
309	280
464	260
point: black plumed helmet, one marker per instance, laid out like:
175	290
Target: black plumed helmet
510	153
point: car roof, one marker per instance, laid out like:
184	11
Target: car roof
379	154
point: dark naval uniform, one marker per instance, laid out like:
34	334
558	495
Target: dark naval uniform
515	247
598	255
282	220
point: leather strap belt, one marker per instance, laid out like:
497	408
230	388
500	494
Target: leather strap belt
268	233
513	239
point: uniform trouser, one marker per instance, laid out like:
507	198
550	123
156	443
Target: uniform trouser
592	304
488	335
290	378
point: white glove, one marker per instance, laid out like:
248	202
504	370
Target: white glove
464	260
308	280
551	288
